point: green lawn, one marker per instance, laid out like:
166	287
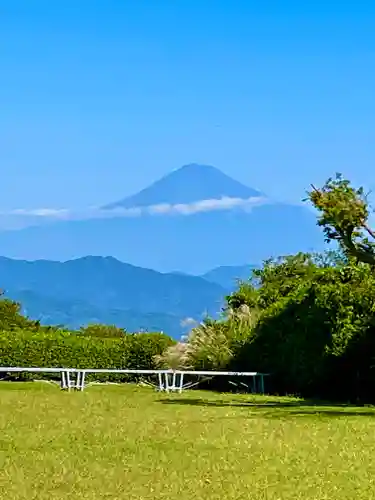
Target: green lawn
124	442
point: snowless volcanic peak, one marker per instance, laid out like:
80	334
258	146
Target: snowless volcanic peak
188	184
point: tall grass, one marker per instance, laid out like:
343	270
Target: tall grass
212	345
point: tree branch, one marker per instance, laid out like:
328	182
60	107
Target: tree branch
369	230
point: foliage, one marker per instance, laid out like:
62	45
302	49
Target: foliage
175	357
69	350
102	331
209	345
312	314
213	344
308	319
279	277
343	214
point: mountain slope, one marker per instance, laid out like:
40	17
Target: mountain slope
188	184
106	290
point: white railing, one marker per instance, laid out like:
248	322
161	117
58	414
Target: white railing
168	380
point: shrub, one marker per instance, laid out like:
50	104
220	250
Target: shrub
212	345
175	357
69	350
102	331
315	329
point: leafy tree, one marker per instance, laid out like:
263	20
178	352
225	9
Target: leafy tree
246	295
279	277
343	214
11	317
103	331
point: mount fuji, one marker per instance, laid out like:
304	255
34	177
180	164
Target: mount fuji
194	219
188	184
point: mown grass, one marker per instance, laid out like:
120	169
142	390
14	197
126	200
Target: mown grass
124	442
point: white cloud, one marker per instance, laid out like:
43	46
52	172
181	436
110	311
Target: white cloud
39	212
27	216
224	203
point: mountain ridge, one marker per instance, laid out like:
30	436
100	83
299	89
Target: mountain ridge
188	184
103	289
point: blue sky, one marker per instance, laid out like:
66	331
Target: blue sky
101	97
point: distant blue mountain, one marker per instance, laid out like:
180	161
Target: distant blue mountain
192	243
105	290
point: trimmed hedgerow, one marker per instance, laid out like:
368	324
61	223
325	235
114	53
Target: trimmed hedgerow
69	350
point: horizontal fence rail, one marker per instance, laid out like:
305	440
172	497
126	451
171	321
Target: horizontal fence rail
168	380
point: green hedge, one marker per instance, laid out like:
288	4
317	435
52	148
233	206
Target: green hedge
316	333
69	350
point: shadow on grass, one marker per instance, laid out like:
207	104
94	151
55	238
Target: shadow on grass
280	409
